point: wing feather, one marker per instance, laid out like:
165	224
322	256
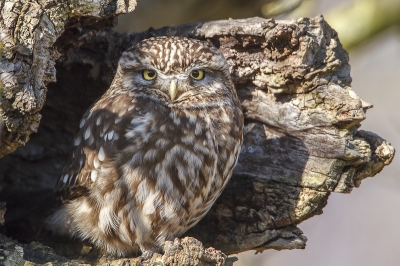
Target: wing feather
95	145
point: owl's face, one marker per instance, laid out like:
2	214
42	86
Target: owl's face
176	71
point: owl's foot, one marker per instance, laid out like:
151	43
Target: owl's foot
146	255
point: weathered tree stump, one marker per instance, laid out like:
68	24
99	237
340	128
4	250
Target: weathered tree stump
293	78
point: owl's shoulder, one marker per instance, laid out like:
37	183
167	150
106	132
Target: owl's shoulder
96	141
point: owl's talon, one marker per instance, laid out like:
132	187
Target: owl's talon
146	255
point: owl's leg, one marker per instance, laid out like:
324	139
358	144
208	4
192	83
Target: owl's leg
60	223
149	249
147	254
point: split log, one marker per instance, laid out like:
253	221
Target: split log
293	78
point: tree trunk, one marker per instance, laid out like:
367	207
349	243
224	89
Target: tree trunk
301	135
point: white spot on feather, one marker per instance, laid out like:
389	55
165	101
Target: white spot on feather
117	119
96	163
98	121
198	129
137	159
93	176
162	143
101	154
77	141
142	192
224	117
148	206
180	57
192	118
83	121
162	129
188	139
200	148
87	133
169	211
150	155
105	127
192	159
176	118
139	125
65	179
172	54
164	182
110	134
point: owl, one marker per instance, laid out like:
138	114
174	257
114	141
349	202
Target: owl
153	154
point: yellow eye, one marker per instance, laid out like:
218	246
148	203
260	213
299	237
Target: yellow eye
149	74
197	74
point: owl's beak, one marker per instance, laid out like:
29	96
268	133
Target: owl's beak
173	90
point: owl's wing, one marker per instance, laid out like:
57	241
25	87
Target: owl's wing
95	146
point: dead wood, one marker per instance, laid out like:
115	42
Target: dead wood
293	78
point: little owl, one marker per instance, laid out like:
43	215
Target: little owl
153	154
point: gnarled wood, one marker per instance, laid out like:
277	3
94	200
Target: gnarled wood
28	31
301	141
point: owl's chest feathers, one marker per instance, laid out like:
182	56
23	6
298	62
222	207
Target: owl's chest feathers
169	162
176	151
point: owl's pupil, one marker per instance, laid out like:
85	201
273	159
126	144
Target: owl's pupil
151	73
195	73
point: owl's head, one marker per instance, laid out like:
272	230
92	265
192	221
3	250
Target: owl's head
176	71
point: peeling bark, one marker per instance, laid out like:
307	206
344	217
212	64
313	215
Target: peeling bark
293	78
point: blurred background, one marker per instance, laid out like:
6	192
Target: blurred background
361	228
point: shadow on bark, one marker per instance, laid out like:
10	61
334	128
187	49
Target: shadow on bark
254	207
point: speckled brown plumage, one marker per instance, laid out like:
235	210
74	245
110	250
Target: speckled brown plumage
147	164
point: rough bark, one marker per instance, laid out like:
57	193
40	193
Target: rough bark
28	31
302	117
187	251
